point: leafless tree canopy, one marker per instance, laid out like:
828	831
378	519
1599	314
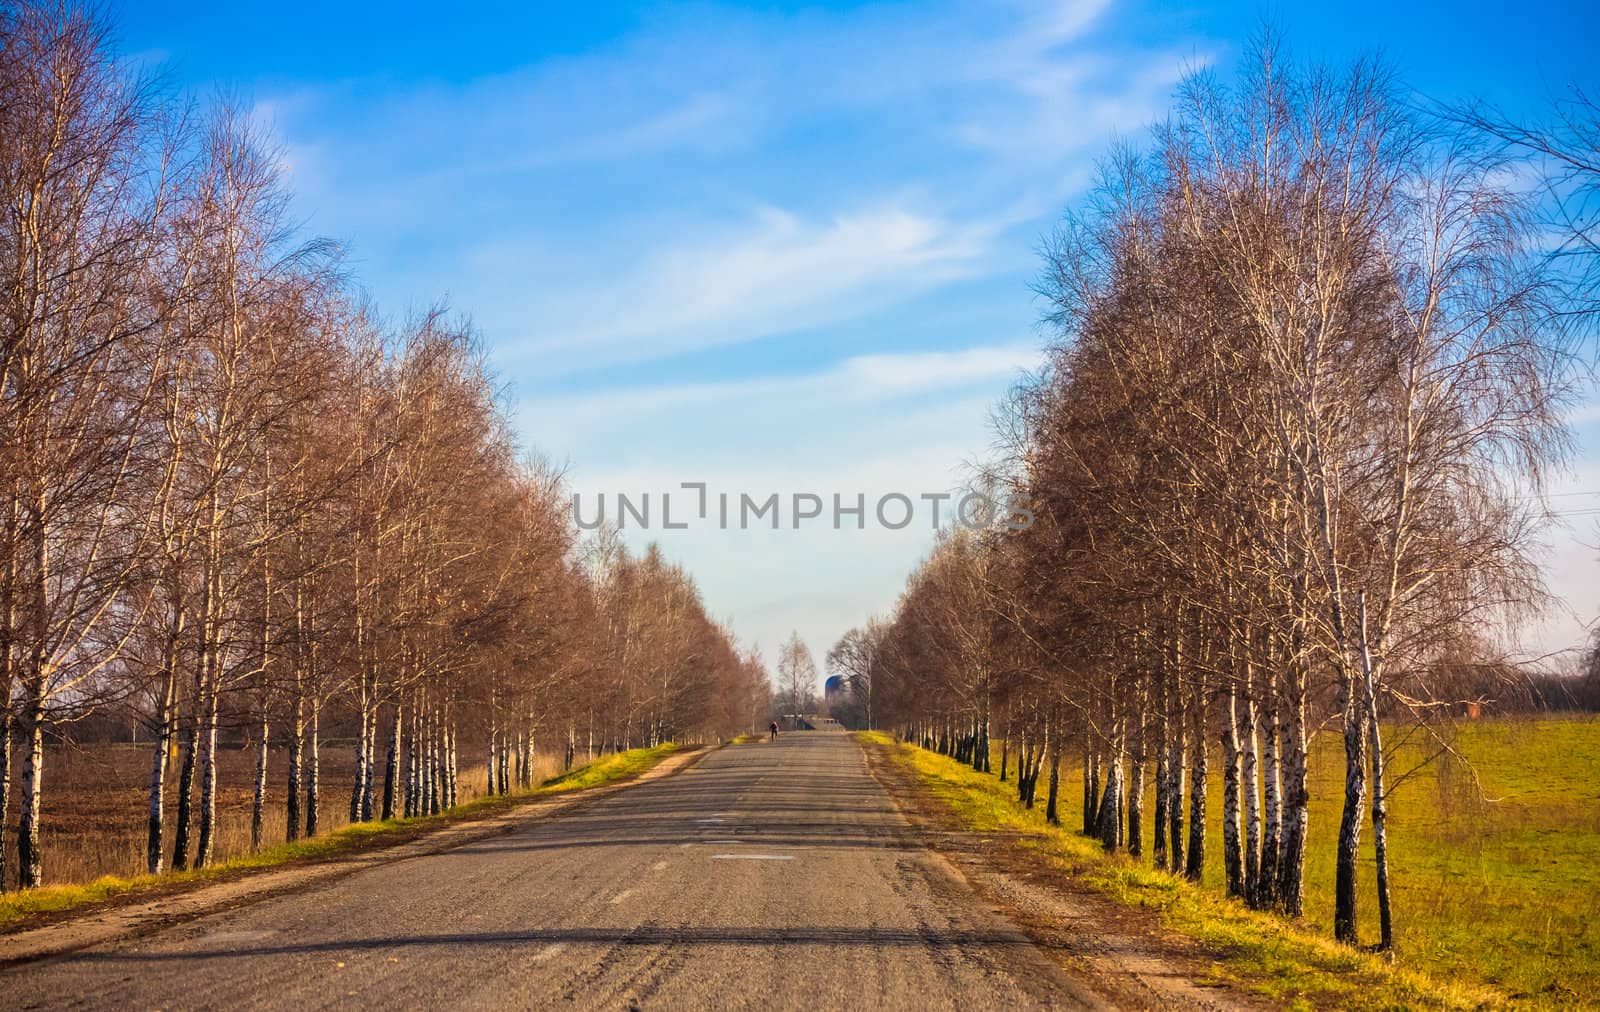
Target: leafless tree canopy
1287	459
238	503
1564	147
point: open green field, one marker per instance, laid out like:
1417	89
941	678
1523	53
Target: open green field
1495	864
1496	880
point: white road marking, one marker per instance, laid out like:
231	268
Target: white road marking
230	937
619	897
752	857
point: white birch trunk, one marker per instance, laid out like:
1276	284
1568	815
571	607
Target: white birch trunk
1250	787
1232	832
258	809
5	785
165	715
314	770
208	782
30	864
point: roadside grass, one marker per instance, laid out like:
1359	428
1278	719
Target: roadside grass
25	904
744	739
1265	954
617	766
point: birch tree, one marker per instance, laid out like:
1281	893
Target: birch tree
79	203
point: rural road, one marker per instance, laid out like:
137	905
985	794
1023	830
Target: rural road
766	875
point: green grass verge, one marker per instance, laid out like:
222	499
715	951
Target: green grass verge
27	903
1497	885
1262	953
609	768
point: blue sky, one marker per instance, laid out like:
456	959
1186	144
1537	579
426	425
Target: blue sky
775	247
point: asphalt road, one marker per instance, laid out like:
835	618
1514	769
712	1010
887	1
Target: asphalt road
776	875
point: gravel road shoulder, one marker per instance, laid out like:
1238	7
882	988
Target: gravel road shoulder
1121	952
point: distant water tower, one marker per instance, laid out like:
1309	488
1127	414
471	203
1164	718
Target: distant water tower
835	688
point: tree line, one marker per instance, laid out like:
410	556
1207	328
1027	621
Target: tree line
237	500
1287	458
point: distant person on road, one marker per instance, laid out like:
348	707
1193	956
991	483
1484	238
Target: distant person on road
773	727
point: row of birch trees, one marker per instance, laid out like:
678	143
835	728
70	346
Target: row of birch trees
1286	459
235	501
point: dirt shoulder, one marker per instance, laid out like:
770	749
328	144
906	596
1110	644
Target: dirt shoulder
1120	952
139	912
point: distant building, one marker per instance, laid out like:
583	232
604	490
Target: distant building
835	689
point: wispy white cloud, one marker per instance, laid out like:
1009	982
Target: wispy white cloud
862	384
764	171
778	273
881	375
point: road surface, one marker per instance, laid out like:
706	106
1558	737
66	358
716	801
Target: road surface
772	875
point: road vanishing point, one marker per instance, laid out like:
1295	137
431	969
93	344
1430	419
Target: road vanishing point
772	875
